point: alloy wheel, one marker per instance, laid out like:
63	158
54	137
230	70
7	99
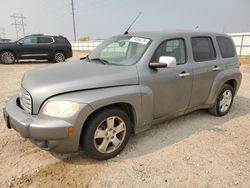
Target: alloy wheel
110	134
59	57
8	57
225	101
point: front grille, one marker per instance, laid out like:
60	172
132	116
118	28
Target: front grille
25	101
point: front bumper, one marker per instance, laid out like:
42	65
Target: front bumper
47	133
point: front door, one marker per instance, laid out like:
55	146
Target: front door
171	86
28	47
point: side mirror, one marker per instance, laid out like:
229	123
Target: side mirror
164	61
20	42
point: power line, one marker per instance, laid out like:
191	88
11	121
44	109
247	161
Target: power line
73	17
19	24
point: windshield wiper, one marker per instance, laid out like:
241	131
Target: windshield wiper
103	61
86	57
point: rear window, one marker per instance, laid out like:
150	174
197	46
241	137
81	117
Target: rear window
226	46
203	49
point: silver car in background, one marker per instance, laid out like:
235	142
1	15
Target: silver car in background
126	85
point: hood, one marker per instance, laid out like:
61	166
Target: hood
60	78
5	44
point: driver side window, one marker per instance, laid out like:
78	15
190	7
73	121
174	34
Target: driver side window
30	40
174	48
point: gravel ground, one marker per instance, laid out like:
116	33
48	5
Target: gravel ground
195	150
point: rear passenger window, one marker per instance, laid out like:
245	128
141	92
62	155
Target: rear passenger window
203	49
45	40
226	46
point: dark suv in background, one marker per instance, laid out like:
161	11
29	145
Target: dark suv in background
39	47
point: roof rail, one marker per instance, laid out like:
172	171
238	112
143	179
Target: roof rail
37	35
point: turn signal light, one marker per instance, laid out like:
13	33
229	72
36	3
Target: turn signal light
70	132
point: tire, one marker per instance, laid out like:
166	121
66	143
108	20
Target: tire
102	140
7	57
223	102
59	57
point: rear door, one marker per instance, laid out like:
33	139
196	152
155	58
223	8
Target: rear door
45	45
205	68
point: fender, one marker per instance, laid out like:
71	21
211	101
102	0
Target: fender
220	80
94	99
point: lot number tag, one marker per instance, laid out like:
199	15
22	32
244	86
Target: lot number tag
139	40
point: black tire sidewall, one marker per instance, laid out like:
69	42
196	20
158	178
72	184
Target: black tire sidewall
224	88
1	61
88	134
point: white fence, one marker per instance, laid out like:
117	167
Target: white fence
241	40
85	45
242	43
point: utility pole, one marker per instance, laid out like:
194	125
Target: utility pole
19	25
73	17
2	33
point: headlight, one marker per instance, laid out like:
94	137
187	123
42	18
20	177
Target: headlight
61	109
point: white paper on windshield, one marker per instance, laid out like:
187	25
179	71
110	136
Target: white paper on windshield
139	40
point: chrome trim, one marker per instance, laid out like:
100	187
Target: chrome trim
28	55
53	41
184	74
217	68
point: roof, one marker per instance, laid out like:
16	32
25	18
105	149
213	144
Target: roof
46	35
166	33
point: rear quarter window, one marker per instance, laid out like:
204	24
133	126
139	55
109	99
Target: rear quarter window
226	46
61	40
203	49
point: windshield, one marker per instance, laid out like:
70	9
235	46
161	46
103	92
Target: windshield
123	50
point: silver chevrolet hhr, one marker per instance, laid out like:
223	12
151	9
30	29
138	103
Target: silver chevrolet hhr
126	85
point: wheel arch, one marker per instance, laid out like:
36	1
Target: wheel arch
11	50
233	83
126	107
232	77
59	50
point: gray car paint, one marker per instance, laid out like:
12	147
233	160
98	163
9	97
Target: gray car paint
62	78
154	94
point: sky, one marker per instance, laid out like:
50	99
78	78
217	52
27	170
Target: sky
104	18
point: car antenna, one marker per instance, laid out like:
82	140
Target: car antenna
126	32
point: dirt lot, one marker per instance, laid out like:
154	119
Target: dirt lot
196	150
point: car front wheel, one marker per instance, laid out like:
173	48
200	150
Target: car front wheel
7	57
223	102
107	133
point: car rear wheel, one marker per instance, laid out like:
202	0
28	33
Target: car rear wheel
107	133
59	57
7	57
223	102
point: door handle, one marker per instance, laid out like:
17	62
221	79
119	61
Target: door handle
184	74
216	68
